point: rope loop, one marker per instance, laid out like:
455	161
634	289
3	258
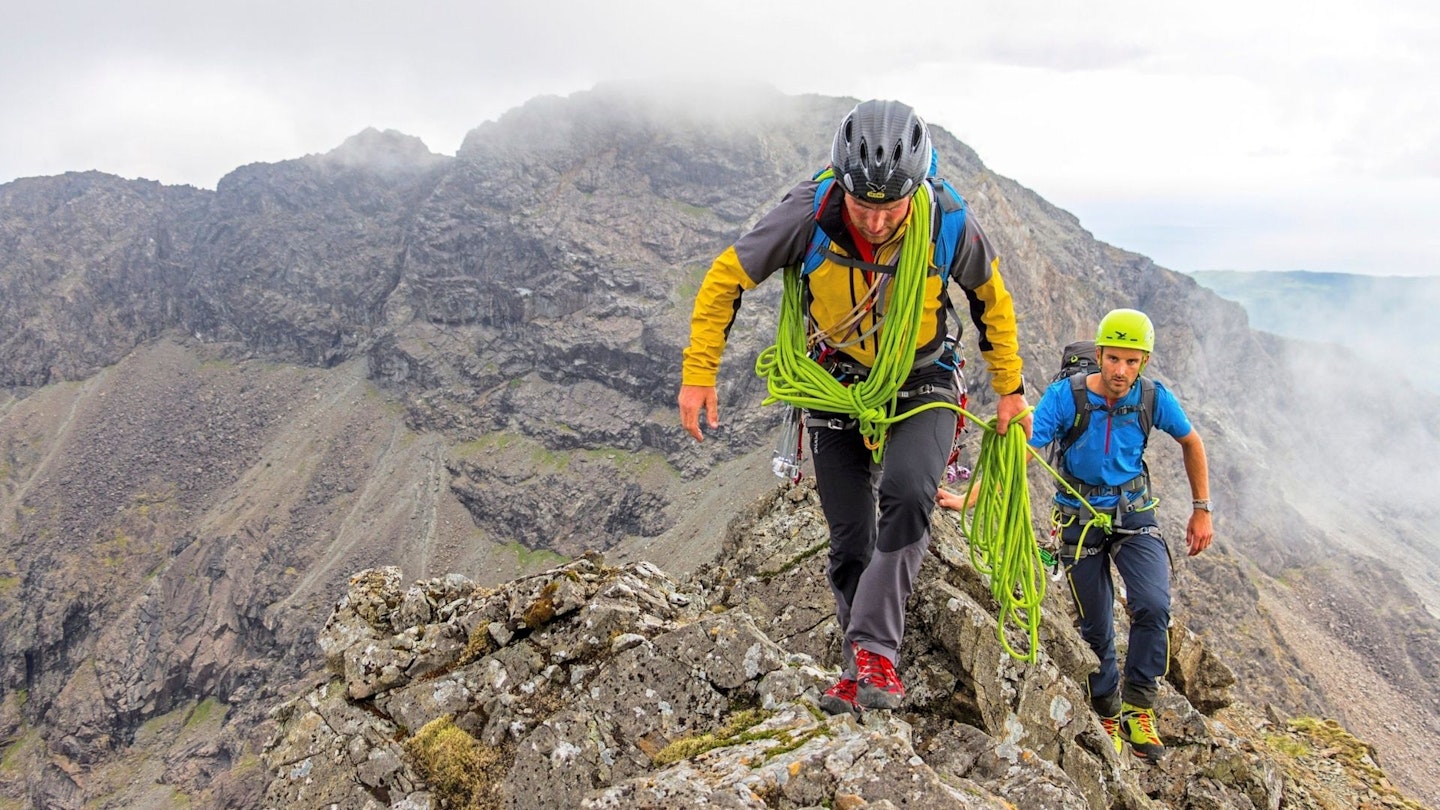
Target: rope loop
1002	539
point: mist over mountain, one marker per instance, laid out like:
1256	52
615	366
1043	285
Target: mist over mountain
1378	319
460	372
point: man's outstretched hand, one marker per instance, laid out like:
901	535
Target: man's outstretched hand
694	399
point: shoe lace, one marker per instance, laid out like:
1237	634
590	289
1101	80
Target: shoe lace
1146	723
874	667
1111	725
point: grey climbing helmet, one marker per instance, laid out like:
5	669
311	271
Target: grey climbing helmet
881	151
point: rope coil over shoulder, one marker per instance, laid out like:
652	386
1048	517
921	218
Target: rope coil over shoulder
793	376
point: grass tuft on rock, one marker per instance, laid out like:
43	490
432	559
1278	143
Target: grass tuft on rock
462	771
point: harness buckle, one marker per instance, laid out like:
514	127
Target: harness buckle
1067	551
846	371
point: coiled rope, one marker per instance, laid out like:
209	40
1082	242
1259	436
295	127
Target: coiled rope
793	376
1002	539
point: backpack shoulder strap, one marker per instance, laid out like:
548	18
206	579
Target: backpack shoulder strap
1147	421
819	241
949	225
947	229
1080	394
1147	408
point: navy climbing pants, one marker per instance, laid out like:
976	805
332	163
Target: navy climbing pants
879	519
1144	567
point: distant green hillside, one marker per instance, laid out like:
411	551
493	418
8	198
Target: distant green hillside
1381	318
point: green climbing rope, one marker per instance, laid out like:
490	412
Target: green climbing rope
1002	539
792	376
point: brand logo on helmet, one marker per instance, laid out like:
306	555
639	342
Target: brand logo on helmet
874	191
1123	336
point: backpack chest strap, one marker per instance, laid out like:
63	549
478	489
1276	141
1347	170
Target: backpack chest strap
849	371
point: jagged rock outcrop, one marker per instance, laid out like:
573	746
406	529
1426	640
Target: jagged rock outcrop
296	260
598	686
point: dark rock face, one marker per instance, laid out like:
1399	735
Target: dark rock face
297	260
90	266
217	406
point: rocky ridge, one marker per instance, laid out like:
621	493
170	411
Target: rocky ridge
597	686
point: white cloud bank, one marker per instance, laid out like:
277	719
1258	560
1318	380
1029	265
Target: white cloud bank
1279	135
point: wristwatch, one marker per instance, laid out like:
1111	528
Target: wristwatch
1199	504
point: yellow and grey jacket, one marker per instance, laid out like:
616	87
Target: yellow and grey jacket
838	289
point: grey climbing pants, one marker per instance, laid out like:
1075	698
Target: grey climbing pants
879	518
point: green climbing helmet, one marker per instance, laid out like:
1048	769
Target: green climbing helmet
1126	329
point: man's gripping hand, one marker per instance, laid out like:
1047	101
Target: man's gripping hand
1011	406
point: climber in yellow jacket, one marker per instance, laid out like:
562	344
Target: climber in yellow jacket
852	228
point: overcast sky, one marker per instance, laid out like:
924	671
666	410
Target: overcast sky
1255	135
